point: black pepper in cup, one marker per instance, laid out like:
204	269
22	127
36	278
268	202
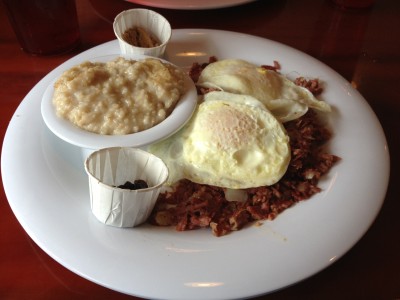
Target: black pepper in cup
136	185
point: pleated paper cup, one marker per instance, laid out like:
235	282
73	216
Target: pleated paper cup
151	21
111	167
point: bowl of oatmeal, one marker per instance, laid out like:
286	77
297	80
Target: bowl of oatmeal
118	101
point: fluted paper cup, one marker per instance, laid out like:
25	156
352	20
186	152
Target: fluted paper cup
111	167
149	20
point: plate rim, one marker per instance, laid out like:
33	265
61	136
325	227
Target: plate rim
191	5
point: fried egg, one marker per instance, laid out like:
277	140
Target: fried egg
286	100
232	141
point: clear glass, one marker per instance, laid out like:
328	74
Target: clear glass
44	27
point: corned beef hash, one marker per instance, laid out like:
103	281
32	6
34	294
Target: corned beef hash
253	148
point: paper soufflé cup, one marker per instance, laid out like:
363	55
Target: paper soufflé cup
151	22
112	167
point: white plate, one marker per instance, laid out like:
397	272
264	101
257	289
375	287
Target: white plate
53	203
89	140
191	4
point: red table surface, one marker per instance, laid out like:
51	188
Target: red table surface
361	45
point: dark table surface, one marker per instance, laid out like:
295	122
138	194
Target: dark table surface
362	45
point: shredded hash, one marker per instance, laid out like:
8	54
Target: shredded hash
192	206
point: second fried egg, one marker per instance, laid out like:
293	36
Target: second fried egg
286	100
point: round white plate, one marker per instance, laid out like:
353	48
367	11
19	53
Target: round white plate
70	133
191	4
152	262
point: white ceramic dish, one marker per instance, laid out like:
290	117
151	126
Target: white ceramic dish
89	140
191	4
159	263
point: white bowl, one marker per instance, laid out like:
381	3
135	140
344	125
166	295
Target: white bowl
90	141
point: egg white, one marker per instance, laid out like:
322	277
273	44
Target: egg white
232	141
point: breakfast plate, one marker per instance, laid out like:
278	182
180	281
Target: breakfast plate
191	4
160	263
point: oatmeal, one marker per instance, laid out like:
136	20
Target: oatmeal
118	97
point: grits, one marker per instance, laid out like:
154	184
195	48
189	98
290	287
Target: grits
118	97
